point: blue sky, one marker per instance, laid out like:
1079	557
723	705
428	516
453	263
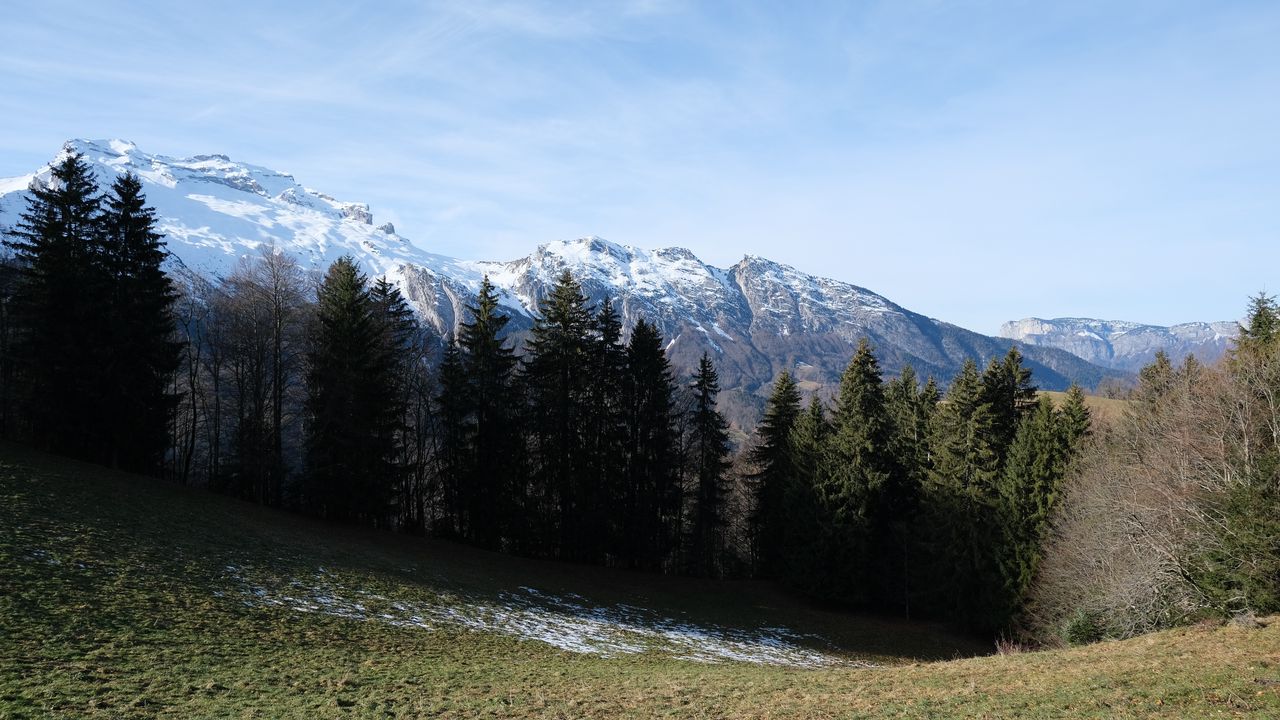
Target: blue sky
974	161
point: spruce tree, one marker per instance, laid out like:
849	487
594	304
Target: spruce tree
772	456
959	525
454	436
604	465
399	336
350	456
1076	419
1155	380
910	409
556	380
857	468
709	446
494	490
1029	488
1264	324
651	498
60	309
141	352
805	524
1009	395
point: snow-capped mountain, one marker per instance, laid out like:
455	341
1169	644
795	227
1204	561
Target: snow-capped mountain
1122	345
757	317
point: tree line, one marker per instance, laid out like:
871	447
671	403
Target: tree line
324	394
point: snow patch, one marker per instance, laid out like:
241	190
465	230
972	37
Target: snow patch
568	622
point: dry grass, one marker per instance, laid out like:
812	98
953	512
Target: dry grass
108	609
1103	409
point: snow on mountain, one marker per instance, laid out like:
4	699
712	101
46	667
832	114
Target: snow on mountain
1122	345
758	317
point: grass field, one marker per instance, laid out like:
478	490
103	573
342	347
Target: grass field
122	596
1103	409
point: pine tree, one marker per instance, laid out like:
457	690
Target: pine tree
141	352
398	356
454	433
59	313
349	453
651	498
494	490
555	376
604	465
775	468
856	472
1009	395
805	523
1264	324
959	526
910	409
709	445
1155	380
1029	488
1076	418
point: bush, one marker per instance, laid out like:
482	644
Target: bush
1082	628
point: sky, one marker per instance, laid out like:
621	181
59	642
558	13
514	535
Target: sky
973	161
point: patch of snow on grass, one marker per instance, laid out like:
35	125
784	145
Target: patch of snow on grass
568	622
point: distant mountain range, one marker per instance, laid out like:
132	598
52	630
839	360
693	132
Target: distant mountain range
756	318
1124	346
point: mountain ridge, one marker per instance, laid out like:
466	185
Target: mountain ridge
1124	345
757	317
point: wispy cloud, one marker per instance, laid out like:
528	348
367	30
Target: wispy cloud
900	145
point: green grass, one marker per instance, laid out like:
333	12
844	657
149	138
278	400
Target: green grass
116	601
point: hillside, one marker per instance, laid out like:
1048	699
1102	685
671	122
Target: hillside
756	318
1103	409
130	597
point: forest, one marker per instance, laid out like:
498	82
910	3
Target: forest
971	499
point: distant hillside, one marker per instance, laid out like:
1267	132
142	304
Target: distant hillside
1120	345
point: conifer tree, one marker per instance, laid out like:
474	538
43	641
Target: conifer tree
1076	420
605	434
1264	324
494	490
709	446
454	433
651	498
959	526
399	337
59	312
775	468
350	455
805	524
910	409
141	354
1009	395
555	376
855	474
1155	379
1029	488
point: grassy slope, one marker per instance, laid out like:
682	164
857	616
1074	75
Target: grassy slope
1103	408
108	607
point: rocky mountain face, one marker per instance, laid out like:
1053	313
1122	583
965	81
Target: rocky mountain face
1120	345
756	318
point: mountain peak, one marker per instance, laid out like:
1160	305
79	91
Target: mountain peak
759	317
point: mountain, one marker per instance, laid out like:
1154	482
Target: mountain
1120	345
757	317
